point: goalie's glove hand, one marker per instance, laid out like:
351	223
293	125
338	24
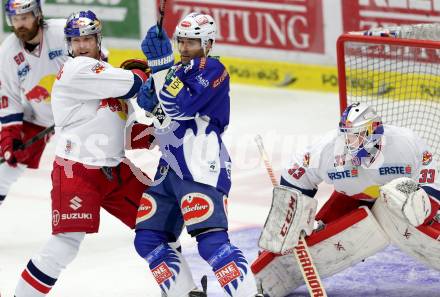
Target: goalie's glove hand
139	64
158	50
10	145
407	199
147	98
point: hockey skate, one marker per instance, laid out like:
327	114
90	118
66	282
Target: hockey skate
197	292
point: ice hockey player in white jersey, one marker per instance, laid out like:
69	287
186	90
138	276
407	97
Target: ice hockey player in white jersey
90	170
29	61
386	189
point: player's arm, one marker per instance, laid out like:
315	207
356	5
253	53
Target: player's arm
11	116
190	88
95	80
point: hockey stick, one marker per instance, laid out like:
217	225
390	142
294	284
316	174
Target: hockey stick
161	16
301	251
158	112
34	139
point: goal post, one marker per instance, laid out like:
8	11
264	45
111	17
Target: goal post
397	71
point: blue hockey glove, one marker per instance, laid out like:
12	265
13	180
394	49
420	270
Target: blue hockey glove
158	50
147	98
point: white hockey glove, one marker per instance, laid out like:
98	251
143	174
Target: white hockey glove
407	199
290	214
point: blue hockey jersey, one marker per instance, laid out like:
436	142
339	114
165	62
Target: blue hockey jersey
196	98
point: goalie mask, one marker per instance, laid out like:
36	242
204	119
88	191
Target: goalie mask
197	26
362	129
16	7
81	24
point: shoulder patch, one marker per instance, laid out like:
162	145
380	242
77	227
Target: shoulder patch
427	158
98	68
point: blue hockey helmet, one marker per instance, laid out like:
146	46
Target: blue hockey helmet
81	24
16	7
362	128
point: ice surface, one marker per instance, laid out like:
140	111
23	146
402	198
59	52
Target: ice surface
107	264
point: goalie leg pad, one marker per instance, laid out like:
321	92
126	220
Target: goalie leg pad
423	242
291	213
341	244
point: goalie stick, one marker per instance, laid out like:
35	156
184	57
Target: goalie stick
34	139
301	251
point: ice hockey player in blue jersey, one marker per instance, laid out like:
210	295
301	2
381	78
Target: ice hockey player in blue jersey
193	177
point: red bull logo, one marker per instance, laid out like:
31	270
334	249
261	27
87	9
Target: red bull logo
38	94
115	105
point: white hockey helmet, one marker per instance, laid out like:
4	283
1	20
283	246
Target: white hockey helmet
362	128
197	25
15	7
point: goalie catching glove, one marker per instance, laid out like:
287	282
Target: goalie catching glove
407	199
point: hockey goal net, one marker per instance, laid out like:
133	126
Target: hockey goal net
396	70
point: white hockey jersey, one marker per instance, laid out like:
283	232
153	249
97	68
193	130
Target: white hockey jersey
26	78
89	121
402	154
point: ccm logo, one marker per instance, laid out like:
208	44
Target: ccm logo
289	216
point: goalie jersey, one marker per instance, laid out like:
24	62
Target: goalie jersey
26	78
196	97
401	154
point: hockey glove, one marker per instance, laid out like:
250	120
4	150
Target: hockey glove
147	98
141	65
10	143
158	50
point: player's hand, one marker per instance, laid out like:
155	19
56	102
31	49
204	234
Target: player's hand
158	50
147	98
10	143
131	64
